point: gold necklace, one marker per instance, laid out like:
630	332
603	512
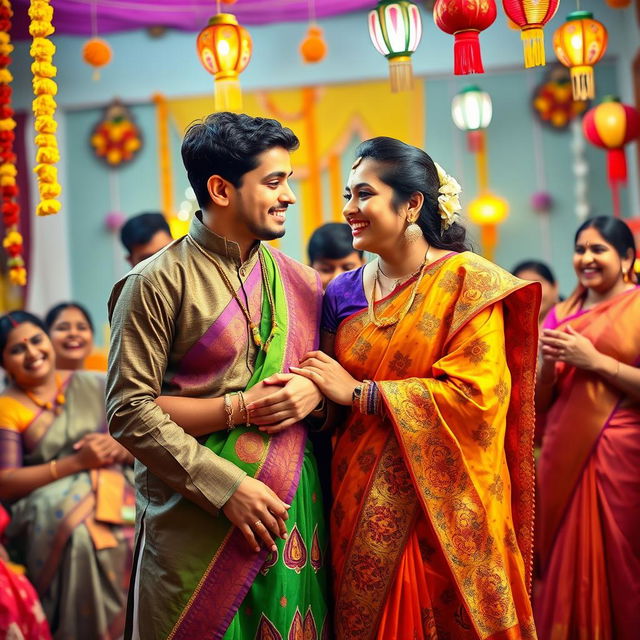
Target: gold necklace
253	328
394	319
54	405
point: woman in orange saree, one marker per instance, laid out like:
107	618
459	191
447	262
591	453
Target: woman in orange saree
589	486
434	356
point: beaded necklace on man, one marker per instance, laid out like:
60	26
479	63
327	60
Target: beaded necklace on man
254	330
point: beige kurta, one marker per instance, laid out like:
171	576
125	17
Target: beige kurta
158	312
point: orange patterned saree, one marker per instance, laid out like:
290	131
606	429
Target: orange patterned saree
433	499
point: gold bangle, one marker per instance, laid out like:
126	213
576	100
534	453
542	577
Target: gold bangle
228	408
243	408
53	469
615	375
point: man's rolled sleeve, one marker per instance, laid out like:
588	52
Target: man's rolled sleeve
142	330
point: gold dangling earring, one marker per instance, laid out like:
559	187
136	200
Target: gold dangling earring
413	233
626	278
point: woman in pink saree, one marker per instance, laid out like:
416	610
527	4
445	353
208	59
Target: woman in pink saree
589	483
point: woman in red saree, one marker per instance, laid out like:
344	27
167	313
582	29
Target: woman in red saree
434	347
589	485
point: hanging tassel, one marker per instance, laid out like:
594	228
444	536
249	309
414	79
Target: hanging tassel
400	74
617	165
475	141
583	84
533	45
228	96
466	53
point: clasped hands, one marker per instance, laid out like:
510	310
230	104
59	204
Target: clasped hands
567	346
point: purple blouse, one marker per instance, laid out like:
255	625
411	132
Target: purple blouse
344	297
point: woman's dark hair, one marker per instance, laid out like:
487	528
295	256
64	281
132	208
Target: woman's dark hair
407	170
614	231
537	267
54	312
9	321
228	144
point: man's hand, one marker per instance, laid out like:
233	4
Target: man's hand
258	512
297	398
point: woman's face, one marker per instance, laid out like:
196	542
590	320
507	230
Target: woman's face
597	263
28	356
375	224
72	338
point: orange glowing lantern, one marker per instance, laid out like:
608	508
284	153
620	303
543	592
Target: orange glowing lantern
618	4
224	49
313	48
464	19
97	53
488	211
579	44
611	125
530	16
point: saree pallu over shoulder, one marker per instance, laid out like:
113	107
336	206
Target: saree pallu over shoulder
226	575
584	405
452	449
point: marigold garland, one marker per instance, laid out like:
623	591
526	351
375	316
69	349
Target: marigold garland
12	242
44	106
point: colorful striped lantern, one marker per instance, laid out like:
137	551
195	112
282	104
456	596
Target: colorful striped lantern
224	49
579	44
530	16
464	19
611	125
395	29
471	111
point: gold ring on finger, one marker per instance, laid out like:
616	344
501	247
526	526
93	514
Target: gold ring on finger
257	522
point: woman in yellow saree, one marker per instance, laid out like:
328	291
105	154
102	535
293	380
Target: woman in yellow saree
434	347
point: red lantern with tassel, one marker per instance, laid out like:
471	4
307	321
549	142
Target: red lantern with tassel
464	19
530	16
611	125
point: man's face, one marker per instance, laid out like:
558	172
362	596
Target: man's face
141	252
259	204
329	269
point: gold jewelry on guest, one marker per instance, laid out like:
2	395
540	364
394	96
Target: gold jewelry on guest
244	409
228	408
53	469
54	405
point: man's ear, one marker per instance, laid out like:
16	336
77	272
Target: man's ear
218	189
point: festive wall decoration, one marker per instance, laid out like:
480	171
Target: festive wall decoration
553	102
116	139
611	125
97	53
618	4
224	49
579	44
464	19
44	106
488	211
395	28
12	242
530	16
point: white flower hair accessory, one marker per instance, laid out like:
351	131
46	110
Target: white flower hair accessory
448	201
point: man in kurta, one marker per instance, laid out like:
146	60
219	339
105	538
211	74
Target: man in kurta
230	533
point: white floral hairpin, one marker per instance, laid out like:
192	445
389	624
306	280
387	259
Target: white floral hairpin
448	201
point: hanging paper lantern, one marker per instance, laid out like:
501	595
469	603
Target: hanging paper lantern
471	110
579	44
224	48
488	211
97	53
313	48
531	16
464	19
395	29
618	4
611	125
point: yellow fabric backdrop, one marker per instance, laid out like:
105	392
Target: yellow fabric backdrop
326	120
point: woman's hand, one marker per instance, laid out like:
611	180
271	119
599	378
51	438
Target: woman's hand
295	400
97	450
335	382
571	347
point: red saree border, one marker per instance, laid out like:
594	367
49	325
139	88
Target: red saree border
231	572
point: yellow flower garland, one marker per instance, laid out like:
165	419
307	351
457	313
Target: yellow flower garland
44	106
12	241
